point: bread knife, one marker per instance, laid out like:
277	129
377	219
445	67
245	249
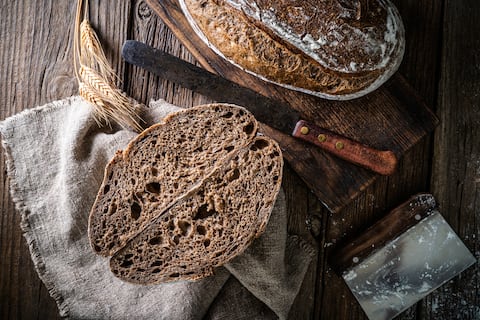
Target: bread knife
275	114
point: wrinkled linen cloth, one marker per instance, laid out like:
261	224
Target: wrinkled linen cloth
56	155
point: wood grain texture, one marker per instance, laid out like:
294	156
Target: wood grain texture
456	163
441	63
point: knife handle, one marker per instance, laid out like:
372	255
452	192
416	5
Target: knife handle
382	162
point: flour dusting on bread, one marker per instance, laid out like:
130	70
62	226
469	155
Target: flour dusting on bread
321	48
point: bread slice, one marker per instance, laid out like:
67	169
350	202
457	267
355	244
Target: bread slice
186	195
333	49
162	164
211	225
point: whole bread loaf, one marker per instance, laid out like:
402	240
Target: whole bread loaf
335	49
186	195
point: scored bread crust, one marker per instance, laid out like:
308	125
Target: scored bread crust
315	47
169	164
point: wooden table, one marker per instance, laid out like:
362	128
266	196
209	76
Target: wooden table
442	62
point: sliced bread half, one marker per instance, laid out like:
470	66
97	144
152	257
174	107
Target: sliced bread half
186	195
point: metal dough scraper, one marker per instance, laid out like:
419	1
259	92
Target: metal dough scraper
402	258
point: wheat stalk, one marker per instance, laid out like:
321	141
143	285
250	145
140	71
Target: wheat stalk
96	78
93	53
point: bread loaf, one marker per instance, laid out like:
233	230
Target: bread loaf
335	49
186	195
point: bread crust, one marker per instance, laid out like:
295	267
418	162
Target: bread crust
198	187
317	48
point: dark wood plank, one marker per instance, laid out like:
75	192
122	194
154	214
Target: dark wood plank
301	204
388	119
456	162
36	64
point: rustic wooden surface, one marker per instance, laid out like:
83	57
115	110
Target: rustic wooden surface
442	63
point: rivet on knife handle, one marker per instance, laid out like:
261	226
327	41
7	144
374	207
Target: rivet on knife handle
382	162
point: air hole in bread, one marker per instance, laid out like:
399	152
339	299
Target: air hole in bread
259	145
203	212
156	263
126	263
199	149
184	226
174	275
106	188
206	242
154	171
155	241
248	129
153	187
201	230
97	248
227	115
156	270
175	185
234	175
136	210
229	148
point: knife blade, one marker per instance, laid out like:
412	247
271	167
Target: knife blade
275	114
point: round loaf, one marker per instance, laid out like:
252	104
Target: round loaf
334	49
186	195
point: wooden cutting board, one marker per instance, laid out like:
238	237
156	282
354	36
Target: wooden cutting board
391	118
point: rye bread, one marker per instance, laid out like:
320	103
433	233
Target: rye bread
334	49
186	195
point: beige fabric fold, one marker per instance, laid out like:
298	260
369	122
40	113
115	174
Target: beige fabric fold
56	155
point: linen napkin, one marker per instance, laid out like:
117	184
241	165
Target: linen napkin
56	155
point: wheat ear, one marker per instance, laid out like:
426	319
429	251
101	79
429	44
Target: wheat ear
96	78
93	53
